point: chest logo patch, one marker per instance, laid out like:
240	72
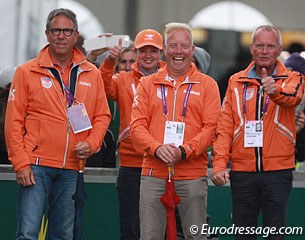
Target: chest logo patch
46	82
249	93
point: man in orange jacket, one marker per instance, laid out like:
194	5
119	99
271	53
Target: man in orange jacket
177	95
121	87
57	116
256	131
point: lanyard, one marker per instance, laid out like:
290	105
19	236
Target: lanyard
69	95
265	107
187	94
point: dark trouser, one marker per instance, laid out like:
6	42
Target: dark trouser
267	192
79	201
128	188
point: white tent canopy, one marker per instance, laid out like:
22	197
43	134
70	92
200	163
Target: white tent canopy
229	15
22	33
88	24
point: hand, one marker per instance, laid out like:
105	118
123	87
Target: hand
92	56
220	178
115	51
168	153
299	121
25	177
269	85
82	150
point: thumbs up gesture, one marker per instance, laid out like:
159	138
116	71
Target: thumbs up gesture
268	83
115	51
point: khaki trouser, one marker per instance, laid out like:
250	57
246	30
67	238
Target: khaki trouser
192	208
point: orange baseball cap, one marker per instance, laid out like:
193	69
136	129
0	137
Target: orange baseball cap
148	37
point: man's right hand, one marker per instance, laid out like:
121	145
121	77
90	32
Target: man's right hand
25	177
220	178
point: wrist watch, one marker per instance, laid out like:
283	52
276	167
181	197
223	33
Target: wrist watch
183	152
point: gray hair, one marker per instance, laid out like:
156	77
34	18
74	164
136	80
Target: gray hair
62	12
177	26
268	28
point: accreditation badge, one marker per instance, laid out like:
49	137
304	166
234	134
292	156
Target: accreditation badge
79	118
174	133
253	134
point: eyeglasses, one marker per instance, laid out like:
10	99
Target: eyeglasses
66	31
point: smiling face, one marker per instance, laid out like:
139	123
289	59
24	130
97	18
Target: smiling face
179	52
61	46
148	57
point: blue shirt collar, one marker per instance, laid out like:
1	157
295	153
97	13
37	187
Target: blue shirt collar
252	73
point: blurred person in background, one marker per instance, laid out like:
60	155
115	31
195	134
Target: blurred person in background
125	60
296	62
243	59
295	47
6	77
202	59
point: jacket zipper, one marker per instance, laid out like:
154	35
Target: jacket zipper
67	144
259	113
175	99
69	126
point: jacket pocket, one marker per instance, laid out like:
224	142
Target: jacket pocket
32	136
287	135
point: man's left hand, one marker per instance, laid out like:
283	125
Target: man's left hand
82	150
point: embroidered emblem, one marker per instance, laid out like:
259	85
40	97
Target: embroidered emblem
149	36
46	82
249	93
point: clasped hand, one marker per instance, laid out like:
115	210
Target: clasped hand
169	153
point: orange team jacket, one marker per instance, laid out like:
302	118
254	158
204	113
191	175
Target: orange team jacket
148	121
279	135
37	129
121	88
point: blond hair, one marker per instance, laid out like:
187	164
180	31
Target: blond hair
173	26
